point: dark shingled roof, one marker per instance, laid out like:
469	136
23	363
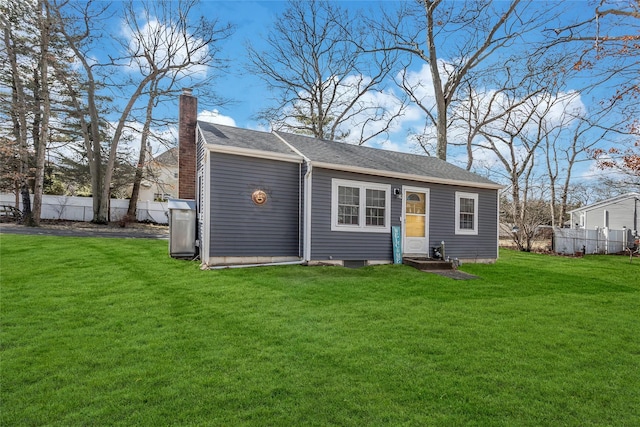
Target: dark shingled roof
242	138
340	154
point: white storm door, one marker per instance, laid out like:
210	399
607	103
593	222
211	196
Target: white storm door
415	222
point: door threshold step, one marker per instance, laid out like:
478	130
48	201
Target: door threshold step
428	263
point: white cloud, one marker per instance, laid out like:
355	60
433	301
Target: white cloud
370	114
160	140
594	173
216	118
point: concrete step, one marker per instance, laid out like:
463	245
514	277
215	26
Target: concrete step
428	264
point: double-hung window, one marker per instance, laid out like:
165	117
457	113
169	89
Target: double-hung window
360	206
466	213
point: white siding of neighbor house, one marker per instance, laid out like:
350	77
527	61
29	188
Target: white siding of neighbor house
621	213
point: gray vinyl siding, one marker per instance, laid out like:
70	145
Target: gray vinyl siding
241	228
442	220
344	245
338	245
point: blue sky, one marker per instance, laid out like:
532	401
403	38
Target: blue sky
252	21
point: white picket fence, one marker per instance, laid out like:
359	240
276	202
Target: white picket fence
595	241
81	208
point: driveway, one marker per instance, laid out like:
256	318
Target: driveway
85	229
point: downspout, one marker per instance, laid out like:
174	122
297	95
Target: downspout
300	207
497	227
635	215
306	235
205	238
306	229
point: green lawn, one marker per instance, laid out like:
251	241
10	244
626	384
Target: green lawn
101	332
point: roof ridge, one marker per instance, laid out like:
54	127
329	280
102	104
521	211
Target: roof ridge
358	146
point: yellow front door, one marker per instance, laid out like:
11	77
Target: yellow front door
415	221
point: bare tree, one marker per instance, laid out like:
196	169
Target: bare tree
77	31
43	113
29	39
17	13
325	82
608	46
524	232
515	140
176	45
169	46
496	97
571	139
455	41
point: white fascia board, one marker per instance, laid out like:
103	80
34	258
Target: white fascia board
407	176
606	202
247	152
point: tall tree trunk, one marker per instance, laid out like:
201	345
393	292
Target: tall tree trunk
113	149
26	204
135	193
18	111
41	148
440	96
93	141
93	156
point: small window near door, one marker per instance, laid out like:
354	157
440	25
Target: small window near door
466	213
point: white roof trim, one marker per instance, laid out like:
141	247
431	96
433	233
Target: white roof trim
408	176
248	152
606	202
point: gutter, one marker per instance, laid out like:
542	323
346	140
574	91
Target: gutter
407	176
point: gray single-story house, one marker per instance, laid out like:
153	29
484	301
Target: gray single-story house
618	212
275	197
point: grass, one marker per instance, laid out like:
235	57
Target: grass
114	332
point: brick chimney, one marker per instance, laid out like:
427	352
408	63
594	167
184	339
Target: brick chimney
187	145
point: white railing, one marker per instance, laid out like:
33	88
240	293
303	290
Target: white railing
81	208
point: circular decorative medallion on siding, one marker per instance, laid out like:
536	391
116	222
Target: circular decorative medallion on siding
259	197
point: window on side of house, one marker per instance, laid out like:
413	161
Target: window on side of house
360	206
466	213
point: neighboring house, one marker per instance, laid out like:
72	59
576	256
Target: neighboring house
283	198
161	177
615	213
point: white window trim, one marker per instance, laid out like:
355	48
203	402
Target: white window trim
474	196
363	186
